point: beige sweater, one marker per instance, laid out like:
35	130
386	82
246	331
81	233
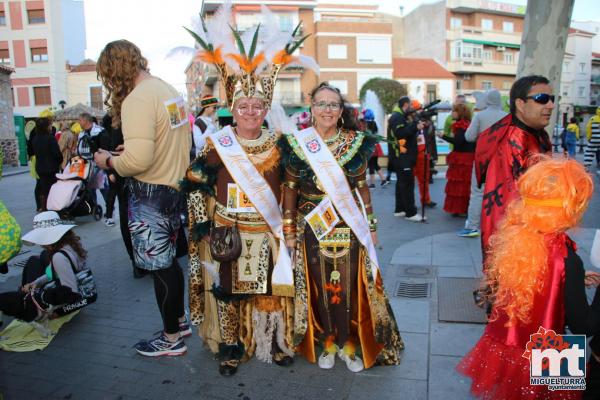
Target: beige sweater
156	150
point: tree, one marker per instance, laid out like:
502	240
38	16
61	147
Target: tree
388	91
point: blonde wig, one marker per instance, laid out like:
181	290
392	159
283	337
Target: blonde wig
118	67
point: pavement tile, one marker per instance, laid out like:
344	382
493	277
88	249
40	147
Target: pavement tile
450	339
444	382
414	357
411	315
456	272
366	386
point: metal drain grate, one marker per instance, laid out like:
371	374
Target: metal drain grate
412	290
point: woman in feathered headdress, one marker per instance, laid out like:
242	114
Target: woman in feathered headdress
537	282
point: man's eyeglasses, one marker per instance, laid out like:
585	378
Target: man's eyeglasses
541	98
323	105
245	110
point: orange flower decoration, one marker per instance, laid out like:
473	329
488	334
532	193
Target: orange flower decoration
248	64
283	58
210	57
542	340
402	144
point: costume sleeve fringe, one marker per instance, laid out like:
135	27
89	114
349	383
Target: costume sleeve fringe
200	176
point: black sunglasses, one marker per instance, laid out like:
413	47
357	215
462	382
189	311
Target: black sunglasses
541	98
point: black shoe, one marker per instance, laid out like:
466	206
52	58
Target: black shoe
4	268
228	368
371	186
431	204
283	360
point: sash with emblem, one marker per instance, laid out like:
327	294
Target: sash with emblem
333	180
259	193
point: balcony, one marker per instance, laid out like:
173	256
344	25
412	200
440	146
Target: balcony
474	65
478	34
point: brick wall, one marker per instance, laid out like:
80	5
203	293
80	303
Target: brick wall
8	140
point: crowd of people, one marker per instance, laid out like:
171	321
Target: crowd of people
281	225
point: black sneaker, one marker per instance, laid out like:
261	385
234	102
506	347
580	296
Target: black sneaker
161	346
371	186
385	183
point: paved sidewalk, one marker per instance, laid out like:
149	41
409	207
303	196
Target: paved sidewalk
92	356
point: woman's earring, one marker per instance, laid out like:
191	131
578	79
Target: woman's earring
342	119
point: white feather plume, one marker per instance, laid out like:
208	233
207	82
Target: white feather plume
278	119
372	103
199	29
306	62
273	38
213	270
220	35
181	51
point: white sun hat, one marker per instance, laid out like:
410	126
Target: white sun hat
48	228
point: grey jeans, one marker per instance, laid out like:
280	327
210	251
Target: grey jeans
475	201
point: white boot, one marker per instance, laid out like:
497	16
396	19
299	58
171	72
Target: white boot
353	362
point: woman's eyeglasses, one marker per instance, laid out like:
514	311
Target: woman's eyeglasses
541	98
252	110
323	105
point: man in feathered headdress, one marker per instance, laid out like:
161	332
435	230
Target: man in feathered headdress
241	281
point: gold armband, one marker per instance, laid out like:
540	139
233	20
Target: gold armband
361	184
290	184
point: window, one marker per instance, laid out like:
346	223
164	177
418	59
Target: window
487	55
41	95
455	23
581	91
39	54
509	57
566	66
4	56
245	20
2	17
286	22
506	85
581	67
36	16
486	85
466	51
342	85
431	94
487	24
96	97
459	84
337	51
374	50
565	91
508	27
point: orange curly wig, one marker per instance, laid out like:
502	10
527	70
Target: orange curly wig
554	195
118	66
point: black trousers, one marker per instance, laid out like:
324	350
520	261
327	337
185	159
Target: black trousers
405	191
111	196
122	197
14	303
592	387
169	290
45	183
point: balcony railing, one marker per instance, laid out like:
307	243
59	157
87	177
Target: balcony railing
288	98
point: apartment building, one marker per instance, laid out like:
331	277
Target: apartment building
83	85
576	75
477	40
353	45
37	38
349	42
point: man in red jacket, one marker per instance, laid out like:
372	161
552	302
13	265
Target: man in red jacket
508	148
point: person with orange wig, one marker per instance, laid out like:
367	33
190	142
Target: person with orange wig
536	280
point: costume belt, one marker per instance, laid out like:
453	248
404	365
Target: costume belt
243	226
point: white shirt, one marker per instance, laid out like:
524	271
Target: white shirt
199	136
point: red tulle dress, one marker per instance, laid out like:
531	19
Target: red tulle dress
460	166
496	364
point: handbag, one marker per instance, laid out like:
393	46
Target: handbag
225	243
86	286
